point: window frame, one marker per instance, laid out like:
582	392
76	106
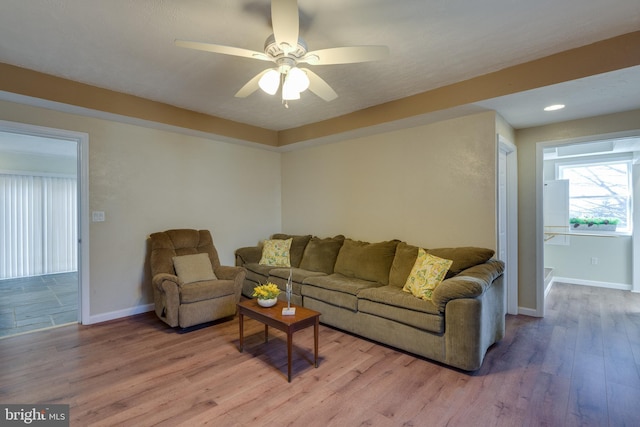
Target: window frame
599	160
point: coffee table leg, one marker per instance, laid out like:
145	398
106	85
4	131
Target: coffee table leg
241	323
315	340
289	351
266	333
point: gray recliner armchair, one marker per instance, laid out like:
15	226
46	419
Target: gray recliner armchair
189	284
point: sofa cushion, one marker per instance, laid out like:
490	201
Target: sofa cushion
279	276
336	289
257	273
320	254
403	262
390	302
463	257
297	246
275	253
427	273
193	268
206	290
248	254
366	261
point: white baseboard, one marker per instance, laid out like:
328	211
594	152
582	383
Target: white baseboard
103	317
527	311
609	285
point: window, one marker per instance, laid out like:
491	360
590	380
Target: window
600	189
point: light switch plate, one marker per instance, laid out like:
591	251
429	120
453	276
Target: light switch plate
97	216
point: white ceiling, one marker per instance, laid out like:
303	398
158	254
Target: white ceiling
127	46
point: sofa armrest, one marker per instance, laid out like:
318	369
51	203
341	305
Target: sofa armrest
247	255
470	283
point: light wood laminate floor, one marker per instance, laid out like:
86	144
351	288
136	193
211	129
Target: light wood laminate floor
577	366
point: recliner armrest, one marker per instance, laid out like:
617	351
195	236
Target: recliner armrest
226	272
160	278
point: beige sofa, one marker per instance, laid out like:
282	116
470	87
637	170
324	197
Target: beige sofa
357	286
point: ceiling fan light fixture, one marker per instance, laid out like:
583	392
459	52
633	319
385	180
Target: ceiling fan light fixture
297	79
289	91
270	82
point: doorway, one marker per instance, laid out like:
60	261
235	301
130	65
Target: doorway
43	180
587	254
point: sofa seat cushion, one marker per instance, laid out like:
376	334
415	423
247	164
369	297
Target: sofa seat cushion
336	289
258	273
206	290
391	302
279	276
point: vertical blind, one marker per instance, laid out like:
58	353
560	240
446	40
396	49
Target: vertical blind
38	220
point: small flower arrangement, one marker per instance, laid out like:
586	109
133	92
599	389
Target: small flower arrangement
267	291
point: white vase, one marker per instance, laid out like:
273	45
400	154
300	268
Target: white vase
267	302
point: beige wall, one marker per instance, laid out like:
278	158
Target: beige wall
432	185
148	180
526	141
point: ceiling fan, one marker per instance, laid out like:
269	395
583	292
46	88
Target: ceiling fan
287	50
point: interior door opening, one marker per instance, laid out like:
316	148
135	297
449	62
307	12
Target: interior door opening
41	186
587	254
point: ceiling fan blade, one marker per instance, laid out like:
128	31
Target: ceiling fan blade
225	50
285	21
319	86
346	55
251	86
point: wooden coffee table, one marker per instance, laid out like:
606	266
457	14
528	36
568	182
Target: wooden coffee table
272	316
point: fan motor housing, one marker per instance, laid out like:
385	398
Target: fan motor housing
272	49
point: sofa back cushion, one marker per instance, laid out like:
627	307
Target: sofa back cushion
321	254
297	246
402	264
367	261
463	257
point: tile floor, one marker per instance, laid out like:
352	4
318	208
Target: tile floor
38	302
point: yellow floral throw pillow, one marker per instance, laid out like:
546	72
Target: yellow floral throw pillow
276	253
427	273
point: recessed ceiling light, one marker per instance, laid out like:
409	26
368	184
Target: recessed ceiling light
554	107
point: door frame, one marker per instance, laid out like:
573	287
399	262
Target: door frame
509	149
82	141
